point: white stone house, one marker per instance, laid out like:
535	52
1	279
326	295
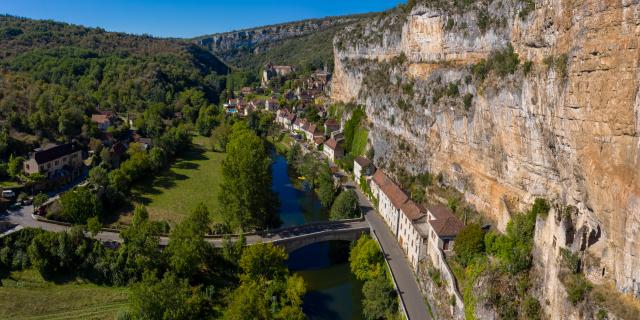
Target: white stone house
444	227
362	167
332	150
409	235
390	199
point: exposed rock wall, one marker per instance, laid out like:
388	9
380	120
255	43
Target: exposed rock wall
571	135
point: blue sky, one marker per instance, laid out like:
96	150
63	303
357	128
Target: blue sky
186	18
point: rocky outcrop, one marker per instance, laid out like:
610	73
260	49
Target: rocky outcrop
228	43
565	126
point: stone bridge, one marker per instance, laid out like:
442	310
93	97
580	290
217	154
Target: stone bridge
293	238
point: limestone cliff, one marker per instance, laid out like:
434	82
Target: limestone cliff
565	127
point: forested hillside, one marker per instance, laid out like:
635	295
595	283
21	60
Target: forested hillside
305	44
54	75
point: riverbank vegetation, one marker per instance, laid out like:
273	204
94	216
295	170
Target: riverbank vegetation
379	295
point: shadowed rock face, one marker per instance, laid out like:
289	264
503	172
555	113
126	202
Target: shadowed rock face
571	135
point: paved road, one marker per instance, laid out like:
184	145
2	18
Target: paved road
405	280
23	217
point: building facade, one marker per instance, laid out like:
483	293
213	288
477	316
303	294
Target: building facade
55	161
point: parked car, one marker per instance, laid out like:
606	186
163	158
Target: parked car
16	205
8	194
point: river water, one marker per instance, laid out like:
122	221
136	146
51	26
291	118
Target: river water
332	290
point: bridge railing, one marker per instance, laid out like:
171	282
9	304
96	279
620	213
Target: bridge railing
222	236
282	229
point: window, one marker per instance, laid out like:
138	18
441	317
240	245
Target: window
57	162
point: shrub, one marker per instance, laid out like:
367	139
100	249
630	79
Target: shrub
449	25
452	90
469	243
570	260
345	206
527	66
532	308
484	20
577	287
467	99
365	259
602	314
541	207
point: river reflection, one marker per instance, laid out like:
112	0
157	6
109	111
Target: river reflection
333	292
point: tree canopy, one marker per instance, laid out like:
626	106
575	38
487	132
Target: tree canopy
247	201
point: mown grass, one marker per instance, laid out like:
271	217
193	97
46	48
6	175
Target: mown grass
193	178
25	295
360	141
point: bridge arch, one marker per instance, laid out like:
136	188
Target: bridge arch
294	243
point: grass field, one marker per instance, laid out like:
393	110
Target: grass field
193	178
360	141
27	296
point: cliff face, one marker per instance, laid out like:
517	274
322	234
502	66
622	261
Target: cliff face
567	130
227	44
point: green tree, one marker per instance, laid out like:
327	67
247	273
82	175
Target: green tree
247	201
94	226
366	260
14	166
264	260
187	248
469	243
99	176
326	187
345	206
79	204
39	199
140	250
220	137
166	298
379	301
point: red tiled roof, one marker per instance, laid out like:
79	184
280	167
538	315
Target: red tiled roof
395	194
318	140
390	189
291	117
99	118
331	122
445	223
380	178
449	227
440	212
363	162
332	144
412	210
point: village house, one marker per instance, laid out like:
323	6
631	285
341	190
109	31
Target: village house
271	104
312	132
257	104
55	161
103	121
409	236
333	150
246	90
390	199
444	227
299	124
362	167
331	126
317	142
337	136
